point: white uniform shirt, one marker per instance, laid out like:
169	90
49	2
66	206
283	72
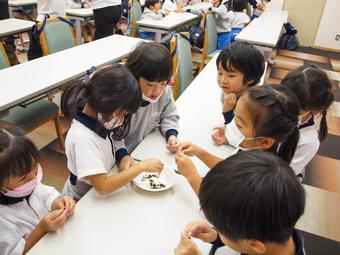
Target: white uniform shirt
97	4
306	149
54	8
87	154
18	220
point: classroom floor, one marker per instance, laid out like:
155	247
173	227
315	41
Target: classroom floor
323	171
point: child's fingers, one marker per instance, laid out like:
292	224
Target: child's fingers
60	220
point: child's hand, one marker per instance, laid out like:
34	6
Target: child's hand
87	5
179	9
187	246
229	102
190	149
219	136
52	221
151	165
66	203
201	230
260	6
173	144
185	166
125	163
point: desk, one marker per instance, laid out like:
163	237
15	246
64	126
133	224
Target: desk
14	26
166	24
79	15
30	79
265	30
20	3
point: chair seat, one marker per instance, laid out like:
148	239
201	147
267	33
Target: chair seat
31	115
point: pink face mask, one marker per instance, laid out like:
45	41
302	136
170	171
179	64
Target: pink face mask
25	189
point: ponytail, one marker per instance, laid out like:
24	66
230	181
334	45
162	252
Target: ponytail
323	131
287	149
70	98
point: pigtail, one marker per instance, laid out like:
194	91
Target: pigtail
287	149
323	131
70	98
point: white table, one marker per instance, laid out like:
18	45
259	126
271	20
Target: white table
30	79
265	30
79	15
20	3
166	24
14	26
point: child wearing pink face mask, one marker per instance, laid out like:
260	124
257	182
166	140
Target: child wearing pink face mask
28	209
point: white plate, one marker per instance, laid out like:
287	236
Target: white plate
167	177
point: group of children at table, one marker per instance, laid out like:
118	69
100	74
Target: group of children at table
229	14
252	199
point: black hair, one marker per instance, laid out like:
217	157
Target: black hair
151	61
275	112
314	90
245	58
109	89
252	195
150	3
18	154
239	5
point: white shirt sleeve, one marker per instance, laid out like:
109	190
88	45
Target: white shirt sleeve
306	149
88	159
11	241
49	194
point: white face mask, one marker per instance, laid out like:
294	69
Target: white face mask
302	116
109	125
235	137
152	101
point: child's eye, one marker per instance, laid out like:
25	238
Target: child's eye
231	75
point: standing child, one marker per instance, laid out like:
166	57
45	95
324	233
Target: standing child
151	11
105	103
151	65
239	66
266	118
314	91
28	209
253	201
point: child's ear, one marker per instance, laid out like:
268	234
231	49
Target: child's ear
266	143
256	246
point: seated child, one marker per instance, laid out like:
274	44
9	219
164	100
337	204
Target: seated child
151	11
28	208
238	18
253	202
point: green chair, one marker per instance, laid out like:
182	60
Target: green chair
210	38
31	115
136	13
182	64
56	36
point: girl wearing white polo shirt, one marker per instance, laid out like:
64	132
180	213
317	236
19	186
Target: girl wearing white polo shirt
106	103
106	14
314	91
28	208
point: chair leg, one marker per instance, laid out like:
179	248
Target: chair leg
59	132
202	63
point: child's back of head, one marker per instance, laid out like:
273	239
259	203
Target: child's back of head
314	90
252	195
239	5
150	3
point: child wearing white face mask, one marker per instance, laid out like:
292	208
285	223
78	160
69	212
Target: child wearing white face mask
28	209
151	65
106	102
314	91
266	118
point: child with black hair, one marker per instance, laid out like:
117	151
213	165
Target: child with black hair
28	209
238	17
266	118
106	103
253	201
239	66
314	91
151	64
152	10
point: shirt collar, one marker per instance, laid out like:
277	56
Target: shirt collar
309	123
144	103
92	124
5	200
